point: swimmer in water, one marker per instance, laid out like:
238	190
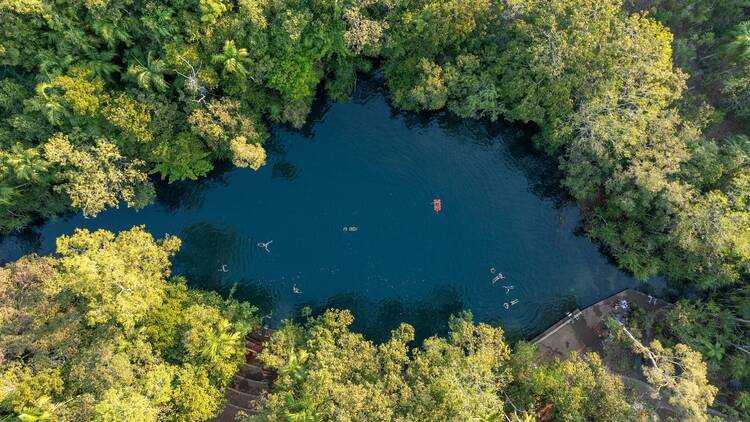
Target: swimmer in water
264	245
223	269
353	228
295	290
508	289
492	270
498	277
513	302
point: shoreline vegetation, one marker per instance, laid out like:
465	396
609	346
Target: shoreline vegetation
644	104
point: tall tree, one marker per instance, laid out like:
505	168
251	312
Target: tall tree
149	74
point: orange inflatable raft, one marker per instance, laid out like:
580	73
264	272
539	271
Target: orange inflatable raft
437	205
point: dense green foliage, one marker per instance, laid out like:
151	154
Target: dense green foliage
128	89
97	95
326	372
100	331
717	328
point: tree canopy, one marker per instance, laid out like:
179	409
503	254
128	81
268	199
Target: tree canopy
644	104
102	331
168	88
327	372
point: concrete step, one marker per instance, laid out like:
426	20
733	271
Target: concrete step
229	414
251	358
253	372
260	335
241	399
254	347
250	382
249	386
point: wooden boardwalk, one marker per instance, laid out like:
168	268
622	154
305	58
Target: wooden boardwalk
251	381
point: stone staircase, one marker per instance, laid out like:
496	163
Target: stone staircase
251	381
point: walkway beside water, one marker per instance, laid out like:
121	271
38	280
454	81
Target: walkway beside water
582	330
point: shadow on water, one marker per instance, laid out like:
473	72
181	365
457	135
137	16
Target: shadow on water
376	320
189	194
284	170
320	106
19	243
206	249
281	168
541	170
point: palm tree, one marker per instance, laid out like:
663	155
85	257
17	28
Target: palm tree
713	351
112	32
53	64
48	104
149	75
101	64
296	365
25	164
8	196
232	58
221	343
301	409
739	46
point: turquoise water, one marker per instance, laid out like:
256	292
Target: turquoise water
362	164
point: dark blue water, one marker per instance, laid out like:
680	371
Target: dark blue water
362	164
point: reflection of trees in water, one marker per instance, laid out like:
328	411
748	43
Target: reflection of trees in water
541	170
320	106
277	153
368	86
252	291
189	194
20	243
429	315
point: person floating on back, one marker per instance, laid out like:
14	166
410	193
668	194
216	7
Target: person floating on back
264	245
437	205
498	277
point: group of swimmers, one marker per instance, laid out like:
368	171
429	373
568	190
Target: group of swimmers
265	246
500	276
